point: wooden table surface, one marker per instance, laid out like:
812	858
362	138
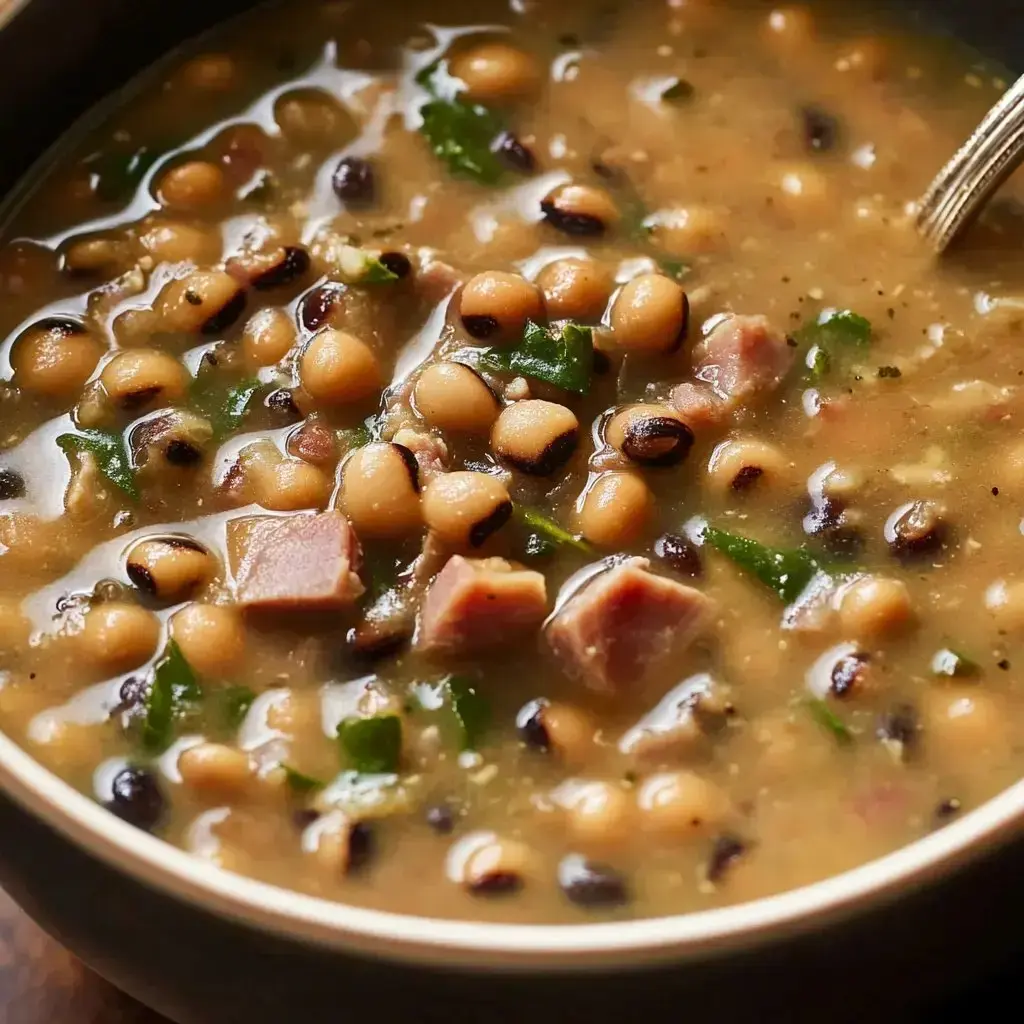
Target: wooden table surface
41	983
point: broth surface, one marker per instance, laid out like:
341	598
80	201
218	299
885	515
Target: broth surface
645	279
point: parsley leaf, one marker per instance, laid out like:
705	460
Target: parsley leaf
470	708
828	719
460	133
225	408
111	456
787	572
835	331
372	745
948	662
548	529
299	782
565	359
175	690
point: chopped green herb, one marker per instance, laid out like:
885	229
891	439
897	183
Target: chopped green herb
471	710
949	662
565	359
835	331
233	703
111	456
676	269
549	529
174	692
460	133
355	437
787	572
372	745
299	782
538	547
680	89
360	266
118	173
828	719
225	408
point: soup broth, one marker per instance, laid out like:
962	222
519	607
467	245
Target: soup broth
517	461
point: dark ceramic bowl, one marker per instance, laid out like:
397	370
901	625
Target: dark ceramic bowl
203	945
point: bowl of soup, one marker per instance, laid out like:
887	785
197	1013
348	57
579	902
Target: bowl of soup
505	490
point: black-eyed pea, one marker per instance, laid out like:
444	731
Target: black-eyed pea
97	255
495	72
649	435
681	804
875	606
203	302
176	439
117	637
685	230
54	358
535	436
337	844
966	725
598	813
380	491
575	289
191	186
744	464
495	305
268	336
338	368
487	864
456	399
283	484
169	568
211	638
313	119
581	211
464	509
178	242
557	728
650	315
144	378
215	768
617	509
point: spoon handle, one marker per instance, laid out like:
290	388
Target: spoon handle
975	172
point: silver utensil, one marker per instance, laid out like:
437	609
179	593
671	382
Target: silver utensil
976	171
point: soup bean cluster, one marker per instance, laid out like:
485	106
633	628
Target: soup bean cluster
524	471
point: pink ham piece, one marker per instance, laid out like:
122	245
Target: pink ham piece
476	603
742	359
625	623
294	563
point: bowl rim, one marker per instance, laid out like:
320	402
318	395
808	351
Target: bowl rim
545	947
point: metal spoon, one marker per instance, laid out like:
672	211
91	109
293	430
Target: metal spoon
977	170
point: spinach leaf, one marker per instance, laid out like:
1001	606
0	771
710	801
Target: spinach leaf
548	529
835	331
118	173
233	703
224	407
470	708
828	719
173	693
300	783
359	266
952	663
787	572
565	360
460	133
111	456
372	745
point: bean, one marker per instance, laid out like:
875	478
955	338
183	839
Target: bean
211	638
268	337
283	267
169	568
203	302
580	211
495	72
338	368
590	884
743	463
136	797
651	314
650	435
12	485
496	305
380	491
191	186
117	637
144	378
456	399
600	814
464	509
215	768
535	436
679	554
616	509
354	182
677	804
575	289
875	606
556	728
54	358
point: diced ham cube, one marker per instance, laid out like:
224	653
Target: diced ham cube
300	563
743	359
625	624
476	603
698	405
